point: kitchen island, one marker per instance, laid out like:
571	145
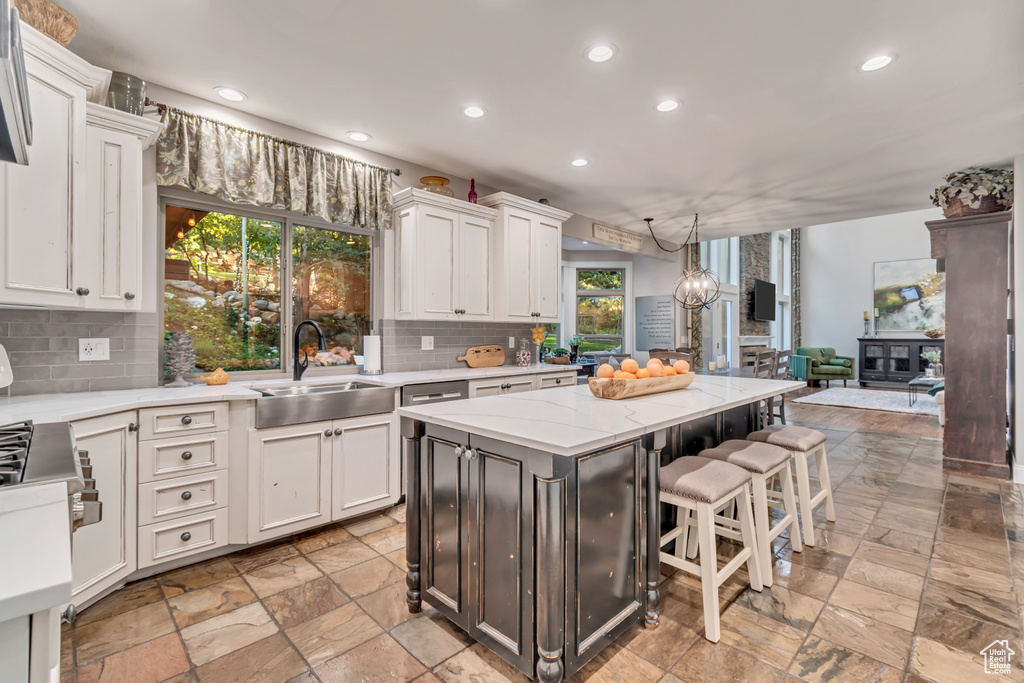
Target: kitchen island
533	519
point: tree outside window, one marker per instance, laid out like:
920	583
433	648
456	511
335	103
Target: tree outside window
599	310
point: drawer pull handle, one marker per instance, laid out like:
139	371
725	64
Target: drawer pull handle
558	381
68	616
187	455
186	495
187	420
187	536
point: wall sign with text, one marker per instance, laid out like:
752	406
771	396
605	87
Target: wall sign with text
655	322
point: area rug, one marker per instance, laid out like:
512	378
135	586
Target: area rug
872	399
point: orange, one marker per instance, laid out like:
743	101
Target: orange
681	366
619	374
605	370
629	365
642	373
657	361
656	369
670	371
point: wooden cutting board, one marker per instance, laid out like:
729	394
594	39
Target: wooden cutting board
489	356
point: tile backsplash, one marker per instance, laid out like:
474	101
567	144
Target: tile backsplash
401	339
43	346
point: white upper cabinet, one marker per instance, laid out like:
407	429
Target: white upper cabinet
70	219
527	259
443	261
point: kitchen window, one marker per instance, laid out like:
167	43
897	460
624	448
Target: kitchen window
600	301
239	282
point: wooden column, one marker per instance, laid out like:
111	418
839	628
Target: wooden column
975	250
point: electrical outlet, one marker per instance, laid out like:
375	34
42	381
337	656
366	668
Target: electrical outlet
94	349
511	342
426	343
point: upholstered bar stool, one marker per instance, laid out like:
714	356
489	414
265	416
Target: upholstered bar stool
703	485
764	461
803	443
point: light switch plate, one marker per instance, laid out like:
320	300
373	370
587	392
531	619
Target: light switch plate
511	342
426	343
94	349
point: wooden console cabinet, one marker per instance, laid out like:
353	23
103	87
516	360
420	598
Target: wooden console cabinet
890	359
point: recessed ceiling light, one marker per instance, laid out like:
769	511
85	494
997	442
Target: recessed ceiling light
601	52
580	162
230	94
358	136
473	111
668	105
876	63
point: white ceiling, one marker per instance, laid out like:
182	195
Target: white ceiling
779	127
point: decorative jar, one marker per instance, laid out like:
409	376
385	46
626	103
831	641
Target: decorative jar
126	93
523	354
437	184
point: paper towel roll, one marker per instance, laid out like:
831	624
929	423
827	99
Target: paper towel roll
371	354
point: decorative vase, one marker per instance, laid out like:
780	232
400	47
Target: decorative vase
126	93
939	369
574	353
523	355
472	190
437	184
929	371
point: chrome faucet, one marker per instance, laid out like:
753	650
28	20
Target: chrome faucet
297	367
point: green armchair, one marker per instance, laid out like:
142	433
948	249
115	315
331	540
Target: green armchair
813	363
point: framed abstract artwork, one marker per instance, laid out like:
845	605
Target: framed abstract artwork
909	296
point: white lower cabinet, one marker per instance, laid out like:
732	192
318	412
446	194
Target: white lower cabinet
556	379
497	386
181	537
366	461
105	553
289	479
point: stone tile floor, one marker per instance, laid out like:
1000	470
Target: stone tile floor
920	571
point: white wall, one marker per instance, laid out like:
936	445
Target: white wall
837	272
650	277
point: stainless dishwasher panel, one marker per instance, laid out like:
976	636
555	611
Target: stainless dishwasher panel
434	392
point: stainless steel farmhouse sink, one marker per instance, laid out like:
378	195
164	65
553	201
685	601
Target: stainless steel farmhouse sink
289	404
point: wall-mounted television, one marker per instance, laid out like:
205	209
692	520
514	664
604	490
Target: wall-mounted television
763	304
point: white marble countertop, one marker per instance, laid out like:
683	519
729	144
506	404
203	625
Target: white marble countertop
34	532
570	420
60	407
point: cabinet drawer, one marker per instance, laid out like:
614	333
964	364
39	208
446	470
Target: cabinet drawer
165	458
196	418
169	540
182	496
561	379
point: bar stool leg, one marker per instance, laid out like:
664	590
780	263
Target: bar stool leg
708	571
762	523
803	486
789	502
826	483
749	540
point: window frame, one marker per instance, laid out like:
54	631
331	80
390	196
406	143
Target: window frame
571	293
781	254
288	220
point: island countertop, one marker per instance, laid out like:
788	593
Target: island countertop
570	420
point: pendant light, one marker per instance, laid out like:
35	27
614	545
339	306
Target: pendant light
698	287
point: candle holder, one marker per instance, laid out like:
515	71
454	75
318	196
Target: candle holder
867	329
874	330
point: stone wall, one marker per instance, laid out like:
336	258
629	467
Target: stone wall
755	264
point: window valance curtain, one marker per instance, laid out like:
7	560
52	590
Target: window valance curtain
246	167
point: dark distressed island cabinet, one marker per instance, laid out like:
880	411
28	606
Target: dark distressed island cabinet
499	524
889	359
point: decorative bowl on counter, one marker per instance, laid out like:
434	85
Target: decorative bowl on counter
216	378
616	389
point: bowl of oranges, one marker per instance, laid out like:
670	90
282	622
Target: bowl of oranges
631	380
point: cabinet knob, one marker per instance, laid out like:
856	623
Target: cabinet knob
129	295
558	381
186	495
187	536
187	420
133	426
69	615
471	454
187	455
82	291
327	432
338	431
459	450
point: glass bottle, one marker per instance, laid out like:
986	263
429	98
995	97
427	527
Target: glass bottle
523	355
472	190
